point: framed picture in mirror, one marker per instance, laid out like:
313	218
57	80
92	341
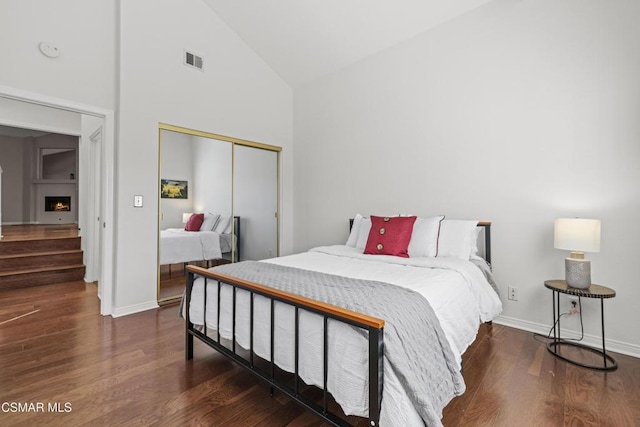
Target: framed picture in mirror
174	189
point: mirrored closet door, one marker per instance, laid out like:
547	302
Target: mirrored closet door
218	203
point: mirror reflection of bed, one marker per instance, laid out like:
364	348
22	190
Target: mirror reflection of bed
179	247
218	203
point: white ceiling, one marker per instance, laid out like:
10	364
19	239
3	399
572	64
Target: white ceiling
304	40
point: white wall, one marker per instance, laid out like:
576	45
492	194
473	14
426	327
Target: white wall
236	95
516	113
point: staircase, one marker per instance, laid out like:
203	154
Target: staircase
40	261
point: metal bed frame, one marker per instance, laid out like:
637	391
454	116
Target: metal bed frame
373	326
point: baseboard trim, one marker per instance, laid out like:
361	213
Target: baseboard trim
591	340
132	309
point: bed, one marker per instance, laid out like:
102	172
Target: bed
348	321
178	246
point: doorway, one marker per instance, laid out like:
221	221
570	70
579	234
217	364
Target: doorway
95	127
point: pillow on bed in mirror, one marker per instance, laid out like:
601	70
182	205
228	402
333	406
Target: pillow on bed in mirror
210	221
390	236
223	223
455	238
424	238
195	222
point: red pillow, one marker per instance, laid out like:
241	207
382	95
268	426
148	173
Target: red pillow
195	222
390	235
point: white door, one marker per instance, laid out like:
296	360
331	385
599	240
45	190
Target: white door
90	197
97	219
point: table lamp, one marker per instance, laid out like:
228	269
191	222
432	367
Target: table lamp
577	235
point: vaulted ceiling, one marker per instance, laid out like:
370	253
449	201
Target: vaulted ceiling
303	40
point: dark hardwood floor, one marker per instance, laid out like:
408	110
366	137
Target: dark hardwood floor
56	349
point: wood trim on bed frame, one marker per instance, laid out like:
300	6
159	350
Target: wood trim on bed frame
373	325
300	301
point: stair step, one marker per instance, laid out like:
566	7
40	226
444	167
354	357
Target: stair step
34	255
18	262
41	276
16	247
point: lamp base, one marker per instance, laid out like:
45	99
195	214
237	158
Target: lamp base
577	273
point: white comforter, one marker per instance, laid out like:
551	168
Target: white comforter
457	290
178	245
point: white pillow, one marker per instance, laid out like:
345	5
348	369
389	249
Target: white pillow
424	238
455	238
474	244
223	223
353	235
363	233
210	221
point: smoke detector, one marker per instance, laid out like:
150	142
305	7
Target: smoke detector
49	50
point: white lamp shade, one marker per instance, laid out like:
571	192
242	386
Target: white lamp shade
185	217
577	234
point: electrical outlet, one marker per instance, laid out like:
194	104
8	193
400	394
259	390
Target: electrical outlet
513	293
573	306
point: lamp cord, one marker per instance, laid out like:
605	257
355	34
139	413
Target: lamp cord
548	336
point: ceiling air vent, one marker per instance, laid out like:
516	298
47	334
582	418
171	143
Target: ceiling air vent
192	60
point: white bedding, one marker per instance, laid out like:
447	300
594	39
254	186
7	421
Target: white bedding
178	245
457	290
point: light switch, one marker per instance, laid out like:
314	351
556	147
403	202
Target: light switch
137	201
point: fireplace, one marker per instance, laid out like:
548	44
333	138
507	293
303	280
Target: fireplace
57	204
